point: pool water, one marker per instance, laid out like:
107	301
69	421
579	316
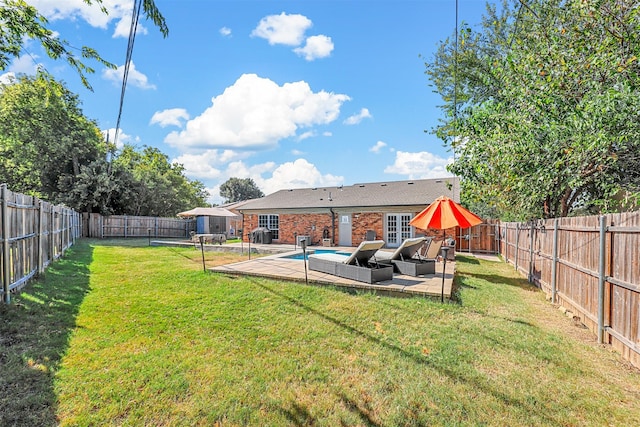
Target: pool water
316	251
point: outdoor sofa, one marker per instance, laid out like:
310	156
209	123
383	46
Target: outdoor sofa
406	258
360	265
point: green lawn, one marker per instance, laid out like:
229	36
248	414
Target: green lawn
120	333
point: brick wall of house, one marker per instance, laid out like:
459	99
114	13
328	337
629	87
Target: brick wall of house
250	222
364	221
311	225
290	225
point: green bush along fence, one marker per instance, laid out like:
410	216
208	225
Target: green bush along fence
33	233
589	265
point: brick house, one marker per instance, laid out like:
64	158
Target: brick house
346	215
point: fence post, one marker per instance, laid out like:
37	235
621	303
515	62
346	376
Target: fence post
601	278
6	276
506	242
531	252
517	244
52	234
40	232
554	263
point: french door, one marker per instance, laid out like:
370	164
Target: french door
398	229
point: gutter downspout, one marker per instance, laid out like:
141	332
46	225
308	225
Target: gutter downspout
333	226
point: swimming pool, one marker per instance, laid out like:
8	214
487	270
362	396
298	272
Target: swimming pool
315	251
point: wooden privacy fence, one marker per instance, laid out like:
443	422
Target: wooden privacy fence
96	225
33	233
480	238
590	265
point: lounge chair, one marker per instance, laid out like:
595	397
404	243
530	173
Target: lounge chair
433	251
406	258
357	266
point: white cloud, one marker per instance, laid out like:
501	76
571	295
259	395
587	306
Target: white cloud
282	29
226	32
117	10
170	117
123	138
421	165
270	177
327	133
123	26
25	64
297	152
379	146
306	135
135	77
7	78
257	112
297	174
208	164
316	47
358	117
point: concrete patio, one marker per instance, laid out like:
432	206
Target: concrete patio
280	268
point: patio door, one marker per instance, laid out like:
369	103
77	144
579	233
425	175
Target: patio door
398	229
344	230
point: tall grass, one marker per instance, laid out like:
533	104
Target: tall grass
149	339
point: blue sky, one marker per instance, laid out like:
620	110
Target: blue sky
291	94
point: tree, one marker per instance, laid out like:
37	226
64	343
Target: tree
45	140
102	188
21	21
160	188
49	149
543	111
236	189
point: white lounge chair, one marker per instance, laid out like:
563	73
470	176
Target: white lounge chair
406	258
357	266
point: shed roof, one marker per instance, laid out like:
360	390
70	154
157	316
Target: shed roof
417	192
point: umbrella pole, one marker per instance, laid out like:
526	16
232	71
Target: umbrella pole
444	270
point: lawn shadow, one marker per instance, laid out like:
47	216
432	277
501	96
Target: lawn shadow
497	279
298	415
520	282
34	337
454	371
467	259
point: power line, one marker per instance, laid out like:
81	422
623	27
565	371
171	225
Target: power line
135	15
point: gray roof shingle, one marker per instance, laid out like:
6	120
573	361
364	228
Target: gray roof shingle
418	192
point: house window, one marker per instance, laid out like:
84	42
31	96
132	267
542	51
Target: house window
271	222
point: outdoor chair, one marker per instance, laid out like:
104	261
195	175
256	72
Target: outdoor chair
433	250
406	258
357	266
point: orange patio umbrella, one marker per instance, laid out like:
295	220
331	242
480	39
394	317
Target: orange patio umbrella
444	213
